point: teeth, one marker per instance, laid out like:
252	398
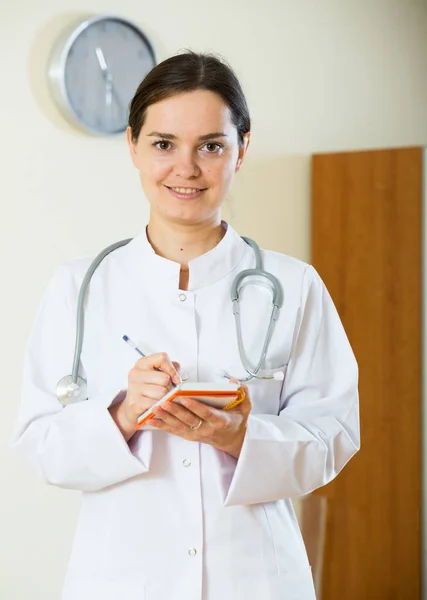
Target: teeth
185	190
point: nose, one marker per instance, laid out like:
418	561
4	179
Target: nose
186	165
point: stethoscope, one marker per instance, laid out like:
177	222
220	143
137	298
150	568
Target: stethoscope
73	388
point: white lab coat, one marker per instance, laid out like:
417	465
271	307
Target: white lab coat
163	518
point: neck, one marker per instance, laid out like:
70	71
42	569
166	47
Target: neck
182	243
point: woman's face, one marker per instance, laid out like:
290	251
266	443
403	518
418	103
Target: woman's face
187	154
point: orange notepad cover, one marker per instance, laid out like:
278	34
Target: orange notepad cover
222	396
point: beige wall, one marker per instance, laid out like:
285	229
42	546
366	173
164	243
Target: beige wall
318	76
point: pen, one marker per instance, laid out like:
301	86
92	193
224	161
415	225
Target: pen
132	344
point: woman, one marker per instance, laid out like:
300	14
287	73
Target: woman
199	505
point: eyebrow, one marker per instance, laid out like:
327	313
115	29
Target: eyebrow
171	136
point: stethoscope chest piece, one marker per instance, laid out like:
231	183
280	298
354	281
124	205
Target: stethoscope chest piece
69	392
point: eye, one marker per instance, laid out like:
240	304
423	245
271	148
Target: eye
213	147
162	145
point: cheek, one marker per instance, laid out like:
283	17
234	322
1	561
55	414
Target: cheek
227	175
222	173
153	172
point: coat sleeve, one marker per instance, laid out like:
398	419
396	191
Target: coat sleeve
78	446
317	430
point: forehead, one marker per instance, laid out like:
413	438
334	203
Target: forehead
199	112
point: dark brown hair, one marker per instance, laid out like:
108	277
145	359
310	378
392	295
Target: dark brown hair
188	72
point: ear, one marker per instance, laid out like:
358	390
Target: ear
132	147
242	150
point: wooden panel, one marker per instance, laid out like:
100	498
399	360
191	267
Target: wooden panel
366	245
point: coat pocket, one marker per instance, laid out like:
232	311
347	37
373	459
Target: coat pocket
289	586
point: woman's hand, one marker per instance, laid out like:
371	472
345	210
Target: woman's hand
222	429
146	385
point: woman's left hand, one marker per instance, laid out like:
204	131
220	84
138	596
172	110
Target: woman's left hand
222	429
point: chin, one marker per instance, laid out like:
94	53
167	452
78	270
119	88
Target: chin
190	217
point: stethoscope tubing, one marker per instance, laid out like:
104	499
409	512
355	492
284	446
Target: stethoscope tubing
81	300
71	386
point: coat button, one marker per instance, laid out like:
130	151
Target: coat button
182	297
192	552
186	462
184	376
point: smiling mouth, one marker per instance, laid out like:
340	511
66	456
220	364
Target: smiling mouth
182	190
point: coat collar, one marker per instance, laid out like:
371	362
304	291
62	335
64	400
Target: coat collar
204	270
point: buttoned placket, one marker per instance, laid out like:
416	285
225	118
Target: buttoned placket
188	460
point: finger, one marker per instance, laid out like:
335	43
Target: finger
159	361
207	413
162	426
177	367
245	389
247	399
170	422
155	422
153	392
245	406
148	376
181	413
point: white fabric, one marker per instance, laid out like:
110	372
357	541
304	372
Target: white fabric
143	509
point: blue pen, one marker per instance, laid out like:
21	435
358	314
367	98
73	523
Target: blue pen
135	347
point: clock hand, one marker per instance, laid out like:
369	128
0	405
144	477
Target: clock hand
102	63
108	94
110	89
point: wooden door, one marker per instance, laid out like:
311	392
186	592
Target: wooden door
366	245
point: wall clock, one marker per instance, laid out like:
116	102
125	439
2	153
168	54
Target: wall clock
94	70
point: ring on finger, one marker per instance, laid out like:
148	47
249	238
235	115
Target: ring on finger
195	427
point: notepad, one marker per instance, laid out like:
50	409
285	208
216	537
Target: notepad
218	395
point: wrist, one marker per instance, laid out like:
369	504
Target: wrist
235	448
127	428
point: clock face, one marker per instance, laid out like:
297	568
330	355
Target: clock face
97	70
